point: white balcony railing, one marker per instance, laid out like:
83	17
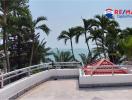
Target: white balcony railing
12	76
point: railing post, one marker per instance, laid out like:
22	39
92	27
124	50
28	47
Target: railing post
112	70
81	64
2	81
29	71
45	66
92	72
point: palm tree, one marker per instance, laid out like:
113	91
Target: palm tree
16	20
6	9
37	26
63	56
87	25
68	35
41	52
126	32
21	30
5	35
112	44
102	23
126	43
95	36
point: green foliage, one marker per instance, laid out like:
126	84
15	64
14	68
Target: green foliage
105	33
127	46
18	31
62	56
1	64
41	52
38	24
68	35
18	26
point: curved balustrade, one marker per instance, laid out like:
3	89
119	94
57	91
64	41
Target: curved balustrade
12	76
34	75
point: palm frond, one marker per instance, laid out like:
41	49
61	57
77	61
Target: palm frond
39	19
78	31
63	35
44	28
63	56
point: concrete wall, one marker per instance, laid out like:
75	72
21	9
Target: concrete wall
105	80
28	82
66	73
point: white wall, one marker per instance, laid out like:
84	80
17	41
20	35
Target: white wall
66	72
14	88
105	79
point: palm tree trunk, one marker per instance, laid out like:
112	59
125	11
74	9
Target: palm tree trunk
72	49
103	44
8	60
103	48
97	47
31	57
87	44
5	52
19	51
5	39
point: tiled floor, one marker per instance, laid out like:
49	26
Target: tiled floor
68	89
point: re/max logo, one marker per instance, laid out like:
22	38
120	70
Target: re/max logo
121	12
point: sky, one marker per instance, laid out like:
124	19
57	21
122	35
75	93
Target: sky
64	14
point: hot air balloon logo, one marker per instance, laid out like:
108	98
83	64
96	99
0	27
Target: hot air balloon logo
109	13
